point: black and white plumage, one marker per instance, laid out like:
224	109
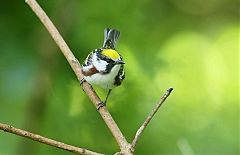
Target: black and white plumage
104	67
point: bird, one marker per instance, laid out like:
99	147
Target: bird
104	66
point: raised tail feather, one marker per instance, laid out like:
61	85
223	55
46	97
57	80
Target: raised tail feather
110	38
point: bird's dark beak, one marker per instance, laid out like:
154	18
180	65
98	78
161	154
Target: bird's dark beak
120	62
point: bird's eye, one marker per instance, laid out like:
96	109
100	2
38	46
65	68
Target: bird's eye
108	61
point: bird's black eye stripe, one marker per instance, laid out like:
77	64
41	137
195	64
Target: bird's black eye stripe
107	59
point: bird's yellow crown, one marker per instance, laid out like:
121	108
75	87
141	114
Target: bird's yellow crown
111	53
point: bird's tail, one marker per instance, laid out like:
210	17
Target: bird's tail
110	38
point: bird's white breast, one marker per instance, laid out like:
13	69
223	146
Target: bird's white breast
105	81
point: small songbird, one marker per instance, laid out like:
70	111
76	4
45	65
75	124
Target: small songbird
104	66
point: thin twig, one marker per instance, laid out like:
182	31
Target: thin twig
150	116
121	140
44	140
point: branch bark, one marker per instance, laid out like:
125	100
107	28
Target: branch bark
41	139
150	116
122	142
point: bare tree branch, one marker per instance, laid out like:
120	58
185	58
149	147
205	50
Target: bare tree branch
122	142
150	116
41	139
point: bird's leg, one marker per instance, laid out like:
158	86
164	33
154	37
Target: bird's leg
101	104
105	102
82	80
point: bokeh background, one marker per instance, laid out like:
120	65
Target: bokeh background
191	45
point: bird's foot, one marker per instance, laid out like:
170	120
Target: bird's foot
82	80
101	104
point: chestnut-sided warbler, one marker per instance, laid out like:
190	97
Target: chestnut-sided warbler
104	66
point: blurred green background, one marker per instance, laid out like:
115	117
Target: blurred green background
191	45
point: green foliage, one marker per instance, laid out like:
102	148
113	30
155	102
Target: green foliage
191	46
